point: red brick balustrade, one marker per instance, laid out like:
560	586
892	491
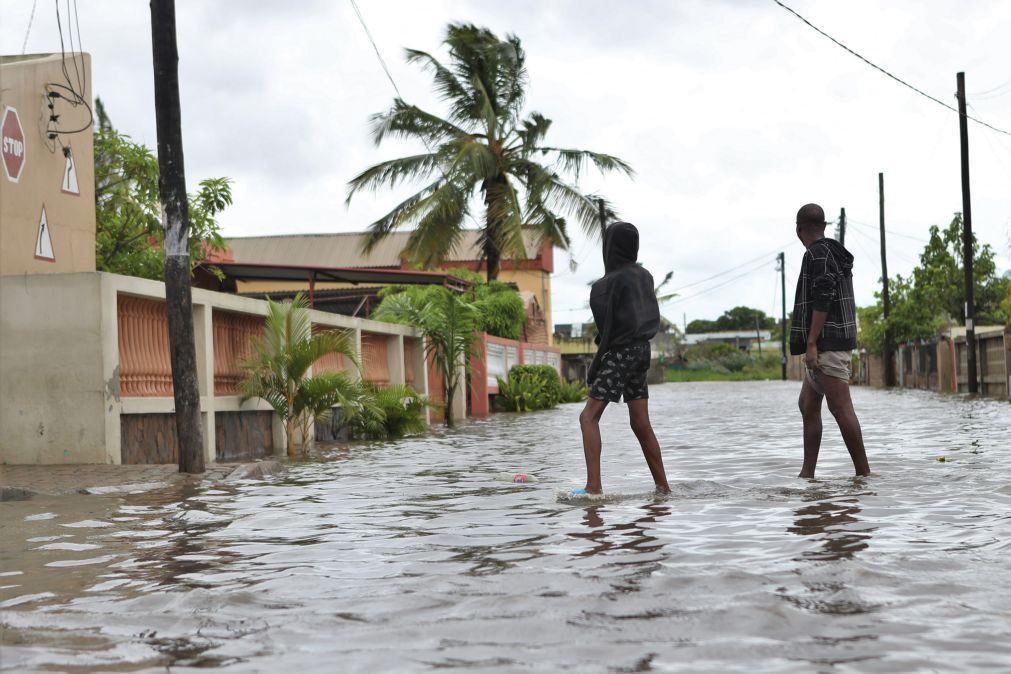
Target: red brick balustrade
233	335
144	366
332	362
375	364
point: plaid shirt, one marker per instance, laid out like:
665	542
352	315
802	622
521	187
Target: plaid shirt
825	284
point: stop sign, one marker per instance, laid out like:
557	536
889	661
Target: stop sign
12	144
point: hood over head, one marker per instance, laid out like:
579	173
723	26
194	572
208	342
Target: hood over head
842	256
621	245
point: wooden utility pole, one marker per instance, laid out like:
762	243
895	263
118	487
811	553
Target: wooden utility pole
842	226
175	219
781	260
970	309
889	348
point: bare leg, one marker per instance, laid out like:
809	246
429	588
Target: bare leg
810	410
837	393
638	417
589	424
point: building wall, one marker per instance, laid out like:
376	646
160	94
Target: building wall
75	374
71	217
52	385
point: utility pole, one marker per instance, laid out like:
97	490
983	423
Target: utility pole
842	226
889	349
175	219
758	335
970	309
781	260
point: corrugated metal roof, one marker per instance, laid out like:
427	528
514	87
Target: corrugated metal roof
345	249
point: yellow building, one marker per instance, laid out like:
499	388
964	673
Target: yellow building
532	276
47	177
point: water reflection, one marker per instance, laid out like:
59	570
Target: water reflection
836	524
632	535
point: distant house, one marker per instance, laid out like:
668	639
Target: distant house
740	339
531	276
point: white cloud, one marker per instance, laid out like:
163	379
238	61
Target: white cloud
733	113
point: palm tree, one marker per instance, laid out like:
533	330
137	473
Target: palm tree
278	371
481	146
448	322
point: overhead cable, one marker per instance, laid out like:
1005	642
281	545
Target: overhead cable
885	72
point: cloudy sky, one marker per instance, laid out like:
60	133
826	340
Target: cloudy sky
732	112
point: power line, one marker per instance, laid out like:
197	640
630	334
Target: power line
31	18
732	269
887	231
885	72
382	61
718	286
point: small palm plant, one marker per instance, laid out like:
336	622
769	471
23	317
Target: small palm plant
279	370
392	412
447	322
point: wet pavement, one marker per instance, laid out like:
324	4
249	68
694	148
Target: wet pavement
415	555
23	481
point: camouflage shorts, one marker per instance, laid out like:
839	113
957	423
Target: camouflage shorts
622	374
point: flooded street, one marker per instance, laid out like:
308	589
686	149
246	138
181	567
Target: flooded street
415	555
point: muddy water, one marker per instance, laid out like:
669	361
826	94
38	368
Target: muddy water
412	556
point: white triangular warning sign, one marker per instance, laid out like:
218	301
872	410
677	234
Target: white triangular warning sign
44	244
70	174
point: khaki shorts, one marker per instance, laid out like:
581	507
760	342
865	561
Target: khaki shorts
830	364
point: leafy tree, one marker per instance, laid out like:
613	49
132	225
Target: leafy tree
129	234
278	371
924	302
744	318
699	326
499	308
738	318
448	323
940	277
481	147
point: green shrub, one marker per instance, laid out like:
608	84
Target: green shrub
574	392
521	393
391	412
544	373
736	362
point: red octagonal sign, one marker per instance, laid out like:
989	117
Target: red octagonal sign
12	144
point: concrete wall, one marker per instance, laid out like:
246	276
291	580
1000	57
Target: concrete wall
60	397
53	383
24	83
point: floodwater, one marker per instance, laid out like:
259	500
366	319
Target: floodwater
412	556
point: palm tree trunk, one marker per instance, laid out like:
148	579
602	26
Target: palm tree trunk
448	415
289	429
492	254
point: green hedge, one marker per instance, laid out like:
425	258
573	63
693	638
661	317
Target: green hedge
548	382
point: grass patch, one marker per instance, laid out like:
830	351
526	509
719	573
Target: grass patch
747	374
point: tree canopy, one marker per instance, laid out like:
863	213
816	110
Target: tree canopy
924	302
736	319
129	236
482	147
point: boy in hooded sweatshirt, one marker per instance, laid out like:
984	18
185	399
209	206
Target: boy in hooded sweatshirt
825	330
627	316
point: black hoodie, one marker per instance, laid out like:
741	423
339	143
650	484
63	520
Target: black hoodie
623	301
825	284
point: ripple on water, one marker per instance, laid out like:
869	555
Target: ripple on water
416	554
